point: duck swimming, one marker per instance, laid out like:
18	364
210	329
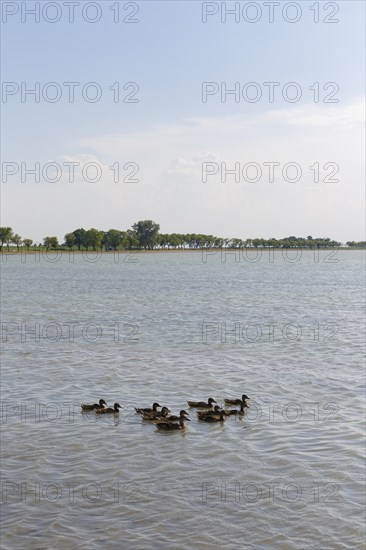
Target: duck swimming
109	410
214	417
172	425
157	415
99	405
243	405
236	401
216	410
202	404
175	418
147	409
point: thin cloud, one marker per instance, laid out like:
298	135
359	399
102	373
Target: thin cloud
194	133
341	117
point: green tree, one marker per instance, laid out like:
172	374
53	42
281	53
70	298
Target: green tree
163	240
190	239
133	240
273	243
236	243
210	241
147	232
50	242
256	242
93	238
28	243
113	239
70	240
124	240
79	237
6	235
218	242
16	239
309	241
173	240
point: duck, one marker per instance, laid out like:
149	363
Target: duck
214	417
202	404
236	401
216	410
147	409
243	405
100	405
175	418
109	410
156	415
172	425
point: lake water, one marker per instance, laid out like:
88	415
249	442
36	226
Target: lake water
167	328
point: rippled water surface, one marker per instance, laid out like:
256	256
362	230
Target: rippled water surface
167	328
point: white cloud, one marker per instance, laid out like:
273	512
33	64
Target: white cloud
170	188
191	168
323	115
221	134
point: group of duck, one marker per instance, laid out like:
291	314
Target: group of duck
165	421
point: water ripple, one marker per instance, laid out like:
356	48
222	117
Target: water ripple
289	474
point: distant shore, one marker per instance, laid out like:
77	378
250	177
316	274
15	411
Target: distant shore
12	252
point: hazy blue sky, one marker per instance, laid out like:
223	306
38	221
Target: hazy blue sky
170	132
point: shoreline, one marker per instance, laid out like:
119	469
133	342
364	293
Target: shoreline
171	250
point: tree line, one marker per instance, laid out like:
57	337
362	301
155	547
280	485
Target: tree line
145	235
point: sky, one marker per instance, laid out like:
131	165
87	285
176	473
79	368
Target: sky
282	154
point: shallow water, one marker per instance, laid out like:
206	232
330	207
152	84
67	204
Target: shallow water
172	327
